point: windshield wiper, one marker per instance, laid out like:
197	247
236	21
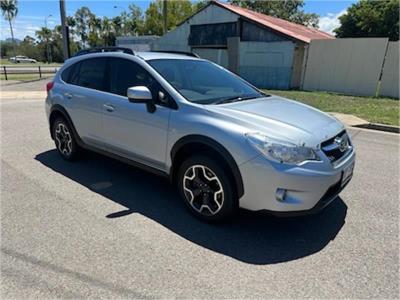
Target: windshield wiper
236	99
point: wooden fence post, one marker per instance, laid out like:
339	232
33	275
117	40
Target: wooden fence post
40	72
5	72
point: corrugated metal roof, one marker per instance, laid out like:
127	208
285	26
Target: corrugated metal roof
290	29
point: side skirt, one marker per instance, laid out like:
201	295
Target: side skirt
122	159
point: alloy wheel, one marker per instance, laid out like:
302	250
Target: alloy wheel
203	190
63	139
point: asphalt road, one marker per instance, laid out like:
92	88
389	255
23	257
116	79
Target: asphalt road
98	228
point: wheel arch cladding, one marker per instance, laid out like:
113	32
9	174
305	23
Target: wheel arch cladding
198	144
57	111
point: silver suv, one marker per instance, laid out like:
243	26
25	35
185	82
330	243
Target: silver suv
223	142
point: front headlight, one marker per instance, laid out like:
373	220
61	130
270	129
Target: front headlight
280	151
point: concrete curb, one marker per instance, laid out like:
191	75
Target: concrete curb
353	121
380	127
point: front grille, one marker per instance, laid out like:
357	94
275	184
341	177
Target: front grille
337	147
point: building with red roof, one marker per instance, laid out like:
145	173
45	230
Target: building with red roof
267	51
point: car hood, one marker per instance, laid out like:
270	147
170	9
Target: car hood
281	118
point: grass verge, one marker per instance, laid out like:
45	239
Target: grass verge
375	110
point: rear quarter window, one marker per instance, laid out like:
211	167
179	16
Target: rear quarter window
66	74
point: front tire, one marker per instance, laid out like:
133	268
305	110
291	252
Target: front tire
206	189
64	139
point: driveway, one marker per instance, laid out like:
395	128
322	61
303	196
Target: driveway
98	228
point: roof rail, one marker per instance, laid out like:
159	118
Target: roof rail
177	52
105	49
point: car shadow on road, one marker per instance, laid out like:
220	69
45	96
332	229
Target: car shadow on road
251	237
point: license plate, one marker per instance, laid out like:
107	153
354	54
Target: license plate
347	173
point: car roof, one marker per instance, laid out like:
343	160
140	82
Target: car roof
150	55
142	55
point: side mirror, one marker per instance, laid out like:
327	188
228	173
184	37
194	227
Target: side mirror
141	94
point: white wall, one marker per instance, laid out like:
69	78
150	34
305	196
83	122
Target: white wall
390	74
267	65
349	66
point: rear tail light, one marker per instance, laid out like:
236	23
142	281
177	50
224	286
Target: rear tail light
49	86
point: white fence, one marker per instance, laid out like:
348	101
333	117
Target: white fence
353	66
390	74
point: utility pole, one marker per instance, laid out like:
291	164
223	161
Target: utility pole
165	11
65	31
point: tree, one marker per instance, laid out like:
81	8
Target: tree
107	34
369	18
71	22
94	31
6	48
135	24
45	35
178	10
82	19
9	10
124	22
290	10
199	5
116	23
28	47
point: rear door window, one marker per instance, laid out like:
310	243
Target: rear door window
90	73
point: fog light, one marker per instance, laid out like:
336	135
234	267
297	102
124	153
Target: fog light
280	195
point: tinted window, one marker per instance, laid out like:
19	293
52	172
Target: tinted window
90	73
202	81
125	74
65	75
73	77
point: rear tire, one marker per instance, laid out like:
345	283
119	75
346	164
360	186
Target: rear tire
207	189
64	139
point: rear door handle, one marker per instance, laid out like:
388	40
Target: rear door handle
68	95
109	107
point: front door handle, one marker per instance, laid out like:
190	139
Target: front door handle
109	107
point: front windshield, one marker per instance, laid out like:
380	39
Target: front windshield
203	82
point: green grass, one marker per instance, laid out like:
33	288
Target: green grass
23	77
376	110
7	63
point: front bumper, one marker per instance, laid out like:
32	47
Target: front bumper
308	188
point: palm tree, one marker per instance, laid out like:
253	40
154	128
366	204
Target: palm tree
116	23
44	35
9	11
107	34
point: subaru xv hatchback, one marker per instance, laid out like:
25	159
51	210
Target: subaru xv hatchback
224	143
